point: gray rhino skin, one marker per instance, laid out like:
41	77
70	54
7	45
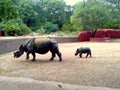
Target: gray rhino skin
83	50
38	45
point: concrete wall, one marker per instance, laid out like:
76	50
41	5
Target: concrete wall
9	45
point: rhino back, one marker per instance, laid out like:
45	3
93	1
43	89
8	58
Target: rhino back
42	45
40	41
85	50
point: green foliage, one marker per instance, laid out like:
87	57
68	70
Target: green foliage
90	16
68	27
113	14
48	16
8	10
94	14
11	29
28	14
24	29
36	13
54	11
49	27
14	27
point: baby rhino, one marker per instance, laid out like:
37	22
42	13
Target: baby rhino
83	50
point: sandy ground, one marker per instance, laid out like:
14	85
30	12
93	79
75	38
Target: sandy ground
103	69
14	83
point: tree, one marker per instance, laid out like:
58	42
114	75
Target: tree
114	13
89	15
54	11
115	4
27	13
35	13
8	10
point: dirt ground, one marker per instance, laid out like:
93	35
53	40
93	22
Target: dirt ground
103	69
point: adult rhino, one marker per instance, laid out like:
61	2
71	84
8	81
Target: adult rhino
38	45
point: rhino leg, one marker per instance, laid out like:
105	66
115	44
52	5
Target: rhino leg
53	56
90	54
27	55
54	51
80	55
33	53
59	55
87	55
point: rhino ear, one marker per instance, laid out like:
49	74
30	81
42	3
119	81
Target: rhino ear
21	47
77	49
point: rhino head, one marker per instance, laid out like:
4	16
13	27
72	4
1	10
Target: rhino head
19	52
77	51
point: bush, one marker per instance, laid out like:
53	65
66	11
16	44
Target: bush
11	29
49	27
24	29
68	27
14	27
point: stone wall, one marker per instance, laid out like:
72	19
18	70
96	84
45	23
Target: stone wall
10	45
99	34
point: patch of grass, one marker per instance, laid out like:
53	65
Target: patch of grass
9	74
1	55
1	70
57	34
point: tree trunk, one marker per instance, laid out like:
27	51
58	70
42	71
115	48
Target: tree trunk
93	33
